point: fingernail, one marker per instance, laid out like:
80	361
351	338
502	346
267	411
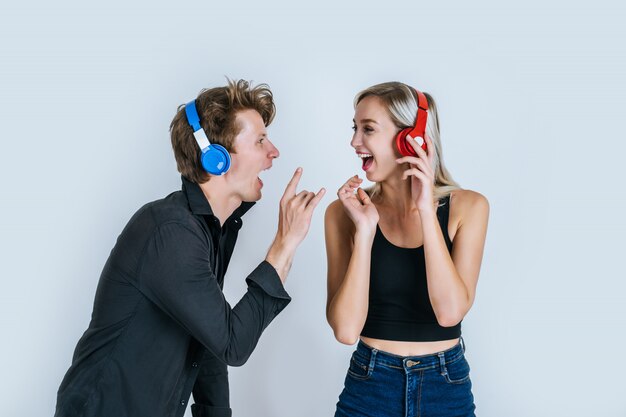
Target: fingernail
298	169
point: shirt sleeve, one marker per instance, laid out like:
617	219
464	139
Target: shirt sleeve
210	389
176	275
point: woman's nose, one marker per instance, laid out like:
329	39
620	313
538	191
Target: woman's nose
356	140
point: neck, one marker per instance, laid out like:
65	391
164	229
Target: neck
396	193
221	198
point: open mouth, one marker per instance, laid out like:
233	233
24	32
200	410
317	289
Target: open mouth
367	159
260	181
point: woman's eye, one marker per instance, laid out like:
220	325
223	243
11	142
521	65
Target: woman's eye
368	129
261	140
354	128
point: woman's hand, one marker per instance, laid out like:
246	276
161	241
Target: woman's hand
421	173
358	205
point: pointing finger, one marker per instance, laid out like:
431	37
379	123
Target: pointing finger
293	183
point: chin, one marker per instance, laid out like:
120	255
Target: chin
254	195
378	177
249	196
372	177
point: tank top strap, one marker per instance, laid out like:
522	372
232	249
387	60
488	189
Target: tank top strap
443	213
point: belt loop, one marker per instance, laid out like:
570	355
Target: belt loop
442	363
462	344
372	358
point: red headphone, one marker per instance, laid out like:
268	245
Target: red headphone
418	130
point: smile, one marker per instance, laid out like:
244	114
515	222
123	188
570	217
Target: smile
367	159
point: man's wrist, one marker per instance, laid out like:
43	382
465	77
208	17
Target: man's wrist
280	256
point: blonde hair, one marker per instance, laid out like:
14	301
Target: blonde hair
401	103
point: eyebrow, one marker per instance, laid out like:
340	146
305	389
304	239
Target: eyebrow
367	121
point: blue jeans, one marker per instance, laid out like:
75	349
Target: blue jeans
382	384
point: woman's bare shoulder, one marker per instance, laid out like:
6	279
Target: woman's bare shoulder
466	205
467	198
336	216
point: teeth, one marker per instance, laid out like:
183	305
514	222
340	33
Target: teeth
364	155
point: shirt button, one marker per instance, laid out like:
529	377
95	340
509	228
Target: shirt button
195	364
182	402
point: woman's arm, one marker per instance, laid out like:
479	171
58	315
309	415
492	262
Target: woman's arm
348	252
452	278
350	225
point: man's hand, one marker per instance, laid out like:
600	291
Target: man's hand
294	220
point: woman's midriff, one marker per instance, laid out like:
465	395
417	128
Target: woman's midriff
410	348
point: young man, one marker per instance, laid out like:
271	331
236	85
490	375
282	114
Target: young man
160	326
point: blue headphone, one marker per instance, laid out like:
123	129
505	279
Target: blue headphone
215	158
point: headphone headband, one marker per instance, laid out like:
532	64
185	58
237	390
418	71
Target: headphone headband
192	115
194	121
422	102
421	116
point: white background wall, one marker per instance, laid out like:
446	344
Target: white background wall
532	112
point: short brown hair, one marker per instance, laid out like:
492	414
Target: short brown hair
217	108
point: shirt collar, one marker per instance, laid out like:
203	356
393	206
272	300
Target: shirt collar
199	204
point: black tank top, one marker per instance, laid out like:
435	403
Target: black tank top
399	306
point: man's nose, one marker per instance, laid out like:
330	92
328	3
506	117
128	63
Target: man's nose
273	153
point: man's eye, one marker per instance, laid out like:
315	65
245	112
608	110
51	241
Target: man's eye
261	140
354	128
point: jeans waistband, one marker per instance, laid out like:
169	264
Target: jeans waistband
410	363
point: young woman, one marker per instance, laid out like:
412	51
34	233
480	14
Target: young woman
403	263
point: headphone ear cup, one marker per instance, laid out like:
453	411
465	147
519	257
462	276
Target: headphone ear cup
225	156
403	147
215	160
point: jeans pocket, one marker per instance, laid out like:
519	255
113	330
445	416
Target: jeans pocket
457	372
359	367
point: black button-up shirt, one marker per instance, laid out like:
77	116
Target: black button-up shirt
160	326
